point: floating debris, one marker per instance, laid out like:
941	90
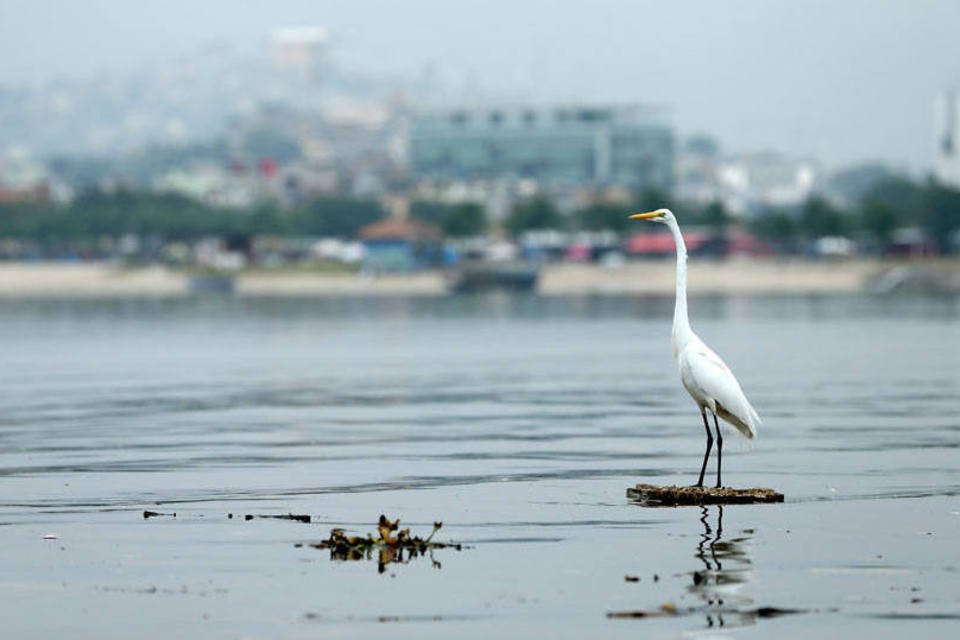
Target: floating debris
670	609
399	547
168	591
631	578
296	517
655	496
156	514
312	616
773	612
51	536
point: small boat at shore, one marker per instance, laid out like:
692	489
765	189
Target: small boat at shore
204	283
473	277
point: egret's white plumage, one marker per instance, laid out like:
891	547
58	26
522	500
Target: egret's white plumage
704	374
712	386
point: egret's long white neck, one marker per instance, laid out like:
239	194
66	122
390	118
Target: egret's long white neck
681	321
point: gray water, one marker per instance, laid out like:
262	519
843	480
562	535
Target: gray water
517	421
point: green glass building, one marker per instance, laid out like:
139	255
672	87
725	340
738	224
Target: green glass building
557	146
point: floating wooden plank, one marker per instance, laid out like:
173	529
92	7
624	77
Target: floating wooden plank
654	496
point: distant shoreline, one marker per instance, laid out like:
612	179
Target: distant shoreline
757	277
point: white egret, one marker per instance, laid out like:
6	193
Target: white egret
703	373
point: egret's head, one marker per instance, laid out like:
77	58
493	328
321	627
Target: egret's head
660	215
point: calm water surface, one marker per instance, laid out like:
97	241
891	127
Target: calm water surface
518	422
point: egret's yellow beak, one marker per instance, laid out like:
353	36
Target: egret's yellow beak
647	216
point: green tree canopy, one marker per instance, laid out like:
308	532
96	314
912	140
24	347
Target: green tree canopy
819	218
900	194
461	220
653	198
95	214
879	219
716	217
940	213
777	227
340	217
536	213
603	217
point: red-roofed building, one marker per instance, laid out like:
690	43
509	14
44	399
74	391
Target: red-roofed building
401	244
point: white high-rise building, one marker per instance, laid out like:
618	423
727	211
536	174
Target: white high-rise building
299	49
948	139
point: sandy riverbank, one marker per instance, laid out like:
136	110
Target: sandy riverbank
734	276
654	277
55	279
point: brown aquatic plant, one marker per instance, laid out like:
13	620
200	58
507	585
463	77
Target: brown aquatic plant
392	544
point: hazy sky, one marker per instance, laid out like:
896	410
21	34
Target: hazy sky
842	81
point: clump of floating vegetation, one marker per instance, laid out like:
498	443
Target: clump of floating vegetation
391	544
655	496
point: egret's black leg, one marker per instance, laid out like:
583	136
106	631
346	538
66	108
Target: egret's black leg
703	468
719	446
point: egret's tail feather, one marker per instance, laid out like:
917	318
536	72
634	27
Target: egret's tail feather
747	428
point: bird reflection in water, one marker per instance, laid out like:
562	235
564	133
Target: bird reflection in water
715	588
726	569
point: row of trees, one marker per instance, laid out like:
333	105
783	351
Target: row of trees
890	204
893	203
96	214
932	207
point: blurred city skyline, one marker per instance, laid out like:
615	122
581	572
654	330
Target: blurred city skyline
838	83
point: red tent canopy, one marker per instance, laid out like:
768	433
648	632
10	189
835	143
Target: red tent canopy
745	243
661	243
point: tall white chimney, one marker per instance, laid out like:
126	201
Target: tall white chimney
948	139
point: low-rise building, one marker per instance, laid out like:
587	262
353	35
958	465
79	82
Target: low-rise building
744	183
400	245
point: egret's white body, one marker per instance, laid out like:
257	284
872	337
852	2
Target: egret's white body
712	386
704	374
